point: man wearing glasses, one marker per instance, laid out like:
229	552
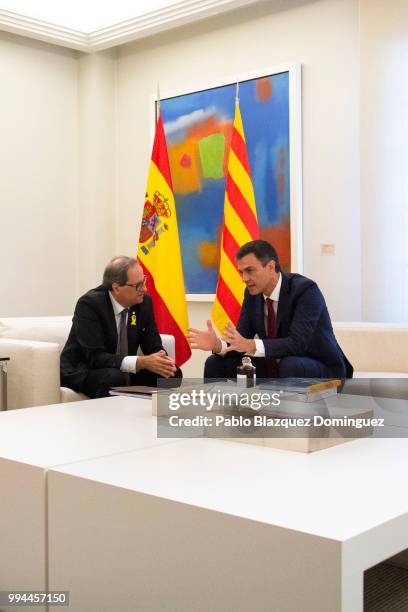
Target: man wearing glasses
110	323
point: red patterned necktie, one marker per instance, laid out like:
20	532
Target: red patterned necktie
271	365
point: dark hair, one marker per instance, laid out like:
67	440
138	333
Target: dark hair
262	251
116	271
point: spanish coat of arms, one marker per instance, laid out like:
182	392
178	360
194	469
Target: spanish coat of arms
153	223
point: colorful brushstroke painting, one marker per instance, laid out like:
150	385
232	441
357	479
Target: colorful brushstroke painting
198	131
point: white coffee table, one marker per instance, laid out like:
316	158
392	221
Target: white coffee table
33	440
216	525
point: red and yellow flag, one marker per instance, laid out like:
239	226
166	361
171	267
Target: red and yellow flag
240	226
159	249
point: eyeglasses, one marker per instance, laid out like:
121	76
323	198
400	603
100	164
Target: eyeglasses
138	286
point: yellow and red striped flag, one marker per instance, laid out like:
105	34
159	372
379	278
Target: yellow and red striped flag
159	249
240	226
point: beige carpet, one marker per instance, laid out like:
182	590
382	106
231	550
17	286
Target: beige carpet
386	589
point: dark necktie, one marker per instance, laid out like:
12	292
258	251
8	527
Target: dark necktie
122	346
271	319
271	365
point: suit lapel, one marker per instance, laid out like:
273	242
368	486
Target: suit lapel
133	328
283	301
260	317
112	328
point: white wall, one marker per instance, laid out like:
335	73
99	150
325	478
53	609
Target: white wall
323	36
58	174
38	185
96	237
384	158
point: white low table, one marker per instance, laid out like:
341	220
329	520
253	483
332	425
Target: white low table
33	440
215	525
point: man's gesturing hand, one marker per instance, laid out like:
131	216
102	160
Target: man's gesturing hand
159	363
204	340
236	341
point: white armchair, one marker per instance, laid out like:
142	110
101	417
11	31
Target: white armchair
34	345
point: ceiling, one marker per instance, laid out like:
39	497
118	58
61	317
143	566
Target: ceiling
81	14
89	27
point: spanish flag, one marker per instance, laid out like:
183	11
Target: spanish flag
159	249
240	226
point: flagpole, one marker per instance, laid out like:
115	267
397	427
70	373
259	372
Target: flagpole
158	101
230	288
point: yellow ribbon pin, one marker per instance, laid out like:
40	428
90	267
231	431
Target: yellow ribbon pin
133	319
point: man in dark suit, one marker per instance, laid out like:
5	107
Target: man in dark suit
109	324
284	325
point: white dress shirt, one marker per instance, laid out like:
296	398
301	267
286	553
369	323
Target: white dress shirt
128	363
260	347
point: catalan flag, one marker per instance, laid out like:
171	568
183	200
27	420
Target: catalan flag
159	249
240	226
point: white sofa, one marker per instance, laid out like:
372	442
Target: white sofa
34	345
376	350
379	354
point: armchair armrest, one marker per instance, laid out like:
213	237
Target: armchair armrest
33	373
168	345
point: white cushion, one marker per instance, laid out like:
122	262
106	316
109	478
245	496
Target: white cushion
41	329
374	347
168	344
69	395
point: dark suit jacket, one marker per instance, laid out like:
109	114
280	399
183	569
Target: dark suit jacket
303	326
93	337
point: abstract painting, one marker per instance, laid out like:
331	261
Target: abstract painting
198	130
